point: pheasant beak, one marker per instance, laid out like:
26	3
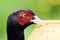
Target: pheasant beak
37	20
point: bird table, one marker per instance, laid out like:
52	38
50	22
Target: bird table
50	30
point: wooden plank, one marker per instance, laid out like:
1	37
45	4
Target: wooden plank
50	30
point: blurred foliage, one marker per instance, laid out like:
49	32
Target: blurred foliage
45	9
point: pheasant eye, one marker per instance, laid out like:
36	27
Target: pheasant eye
24	15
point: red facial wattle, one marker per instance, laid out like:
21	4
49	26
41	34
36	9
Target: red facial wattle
23	20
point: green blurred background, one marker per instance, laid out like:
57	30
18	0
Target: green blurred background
45	9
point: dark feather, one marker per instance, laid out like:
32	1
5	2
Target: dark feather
15	31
